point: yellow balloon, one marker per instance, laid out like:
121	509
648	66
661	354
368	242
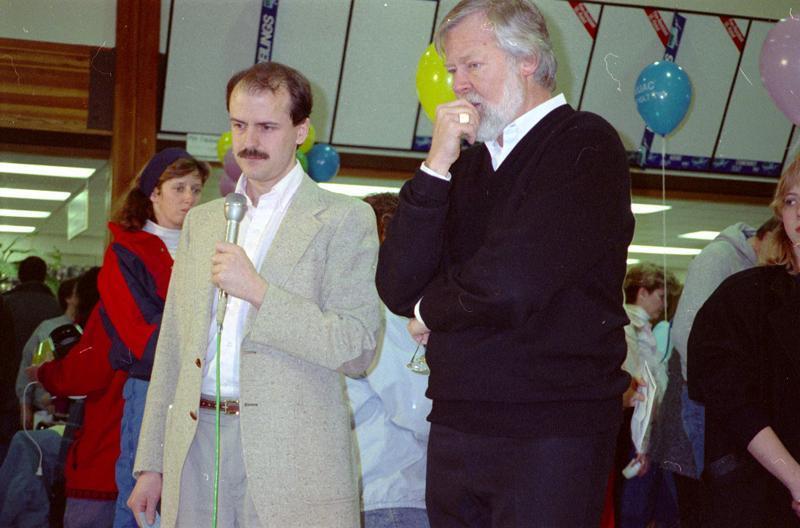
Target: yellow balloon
310	139
434	83
223	144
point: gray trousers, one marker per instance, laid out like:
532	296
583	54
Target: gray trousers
236	508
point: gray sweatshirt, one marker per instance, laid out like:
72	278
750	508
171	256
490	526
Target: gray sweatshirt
727	254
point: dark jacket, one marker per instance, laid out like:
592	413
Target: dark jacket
520	274
744	364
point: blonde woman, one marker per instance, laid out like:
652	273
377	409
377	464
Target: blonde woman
744	364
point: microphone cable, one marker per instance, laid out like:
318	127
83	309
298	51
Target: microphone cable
39	471
214	512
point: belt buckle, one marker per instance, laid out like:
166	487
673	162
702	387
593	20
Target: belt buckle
229	407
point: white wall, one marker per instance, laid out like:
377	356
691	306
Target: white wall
87	22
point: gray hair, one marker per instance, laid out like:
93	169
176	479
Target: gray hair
520	30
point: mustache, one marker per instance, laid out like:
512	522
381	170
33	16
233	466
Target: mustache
252	153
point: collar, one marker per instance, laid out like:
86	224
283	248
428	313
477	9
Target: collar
517	129
169	237
160	231
283	190
638	315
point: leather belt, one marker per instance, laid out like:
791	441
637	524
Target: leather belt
225	406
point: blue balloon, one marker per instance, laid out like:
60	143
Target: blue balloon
323	162
663	94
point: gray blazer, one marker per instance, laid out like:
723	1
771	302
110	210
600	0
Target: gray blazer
319	319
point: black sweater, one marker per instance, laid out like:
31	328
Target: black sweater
520	273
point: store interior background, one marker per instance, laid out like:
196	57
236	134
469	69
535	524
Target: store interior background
60	64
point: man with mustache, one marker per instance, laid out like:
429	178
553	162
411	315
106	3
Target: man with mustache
302	311
510	256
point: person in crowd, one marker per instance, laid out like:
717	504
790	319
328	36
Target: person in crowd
510	257
21	310
37	399
735	249
743	366
390	410
85	371
29	474
133	287
649	495
302	309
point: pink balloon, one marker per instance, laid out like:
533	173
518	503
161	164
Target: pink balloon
779	64
226	185
231	167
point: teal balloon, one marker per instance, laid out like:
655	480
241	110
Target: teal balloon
303	159
323	162
663	95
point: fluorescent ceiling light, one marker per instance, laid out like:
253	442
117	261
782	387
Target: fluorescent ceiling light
358	190
700	235
33	194
640	208
46	170
662	250
16	229
632	261
22	213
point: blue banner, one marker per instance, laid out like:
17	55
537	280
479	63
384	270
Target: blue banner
706	164
266	30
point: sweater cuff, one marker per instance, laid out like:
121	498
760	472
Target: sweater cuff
748	422
428	188
418	314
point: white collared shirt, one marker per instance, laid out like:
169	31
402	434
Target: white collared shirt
256	233
518	128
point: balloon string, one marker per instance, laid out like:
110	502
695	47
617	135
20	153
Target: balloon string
664	221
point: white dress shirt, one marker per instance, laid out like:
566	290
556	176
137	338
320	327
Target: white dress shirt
256	233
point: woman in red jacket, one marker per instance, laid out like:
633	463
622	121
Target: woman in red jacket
133	287
112	362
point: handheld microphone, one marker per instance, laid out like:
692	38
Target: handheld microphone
235	207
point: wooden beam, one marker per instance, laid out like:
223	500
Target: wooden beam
135	89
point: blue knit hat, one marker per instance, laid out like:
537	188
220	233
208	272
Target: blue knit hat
157	165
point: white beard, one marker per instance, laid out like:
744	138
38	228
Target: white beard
495	118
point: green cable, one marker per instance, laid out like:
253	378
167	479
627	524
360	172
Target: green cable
216	432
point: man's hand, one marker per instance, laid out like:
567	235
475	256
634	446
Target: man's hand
419	332
145	495
644	460
632	395
454	121
232	271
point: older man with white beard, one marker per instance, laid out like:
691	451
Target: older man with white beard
510	258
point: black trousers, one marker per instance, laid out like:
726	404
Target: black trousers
485	481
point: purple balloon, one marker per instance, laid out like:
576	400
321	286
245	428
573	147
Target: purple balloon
226	185
231	167
779	64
